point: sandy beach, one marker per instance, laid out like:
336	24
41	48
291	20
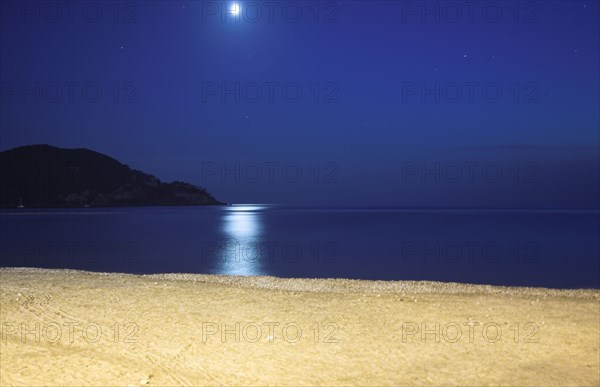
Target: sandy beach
63	327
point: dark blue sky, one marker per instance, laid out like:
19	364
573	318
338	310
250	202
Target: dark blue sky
402	103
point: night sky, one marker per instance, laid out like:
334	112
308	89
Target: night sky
392	103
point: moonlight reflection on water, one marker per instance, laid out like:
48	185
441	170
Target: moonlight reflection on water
243	228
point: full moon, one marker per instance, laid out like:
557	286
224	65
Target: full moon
235	9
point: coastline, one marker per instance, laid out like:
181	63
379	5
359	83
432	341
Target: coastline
193	329
333	285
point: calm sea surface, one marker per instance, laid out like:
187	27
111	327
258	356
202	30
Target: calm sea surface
504	247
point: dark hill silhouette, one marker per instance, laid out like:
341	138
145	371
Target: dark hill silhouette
47	176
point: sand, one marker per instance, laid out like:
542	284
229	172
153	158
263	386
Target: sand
64	327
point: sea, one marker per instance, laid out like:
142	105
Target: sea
536	248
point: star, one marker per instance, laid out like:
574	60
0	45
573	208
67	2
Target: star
465	56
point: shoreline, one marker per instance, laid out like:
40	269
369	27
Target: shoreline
334	285
68	327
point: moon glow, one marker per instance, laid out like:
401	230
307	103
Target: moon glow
235	9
